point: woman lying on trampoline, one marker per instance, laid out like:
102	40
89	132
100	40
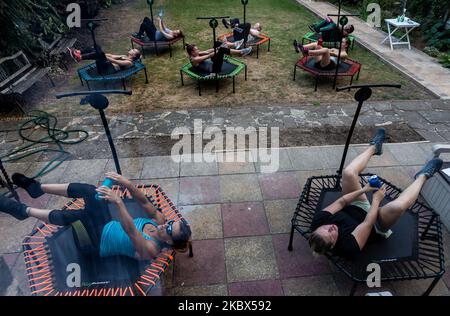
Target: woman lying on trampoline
141	238
243	31
211	61
326	58
106	63
351	222
329	25
161	34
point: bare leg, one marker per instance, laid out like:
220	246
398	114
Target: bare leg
55	189
311	45
350	175
40	214
391	212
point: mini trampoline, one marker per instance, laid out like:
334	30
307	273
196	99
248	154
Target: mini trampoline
312	37
89	73
414	251
50	251
347	68
230	69
155	44
257	41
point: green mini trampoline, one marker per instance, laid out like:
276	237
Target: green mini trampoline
230	69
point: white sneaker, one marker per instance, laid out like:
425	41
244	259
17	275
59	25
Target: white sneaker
250	38
246	51
238	44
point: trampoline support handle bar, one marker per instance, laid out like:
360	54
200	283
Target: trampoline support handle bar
8	182
110	141
72	94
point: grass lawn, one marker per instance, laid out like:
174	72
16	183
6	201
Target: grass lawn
270	76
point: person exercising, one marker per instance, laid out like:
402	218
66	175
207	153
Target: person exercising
326	58
328	25
243	31
163	33
140	238
347	225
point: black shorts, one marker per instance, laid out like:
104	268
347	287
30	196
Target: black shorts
94	216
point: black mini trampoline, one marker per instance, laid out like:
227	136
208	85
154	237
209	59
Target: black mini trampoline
52	254
347	68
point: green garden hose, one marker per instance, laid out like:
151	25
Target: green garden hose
54	136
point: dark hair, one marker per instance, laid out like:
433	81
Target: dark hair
181	240
190	48
349	28
318	244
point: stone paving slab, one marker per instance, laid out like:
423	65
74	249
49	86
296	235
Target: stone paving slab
256	288
205	221
323	285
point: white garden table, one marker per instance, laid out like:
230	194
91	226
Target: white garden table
393	26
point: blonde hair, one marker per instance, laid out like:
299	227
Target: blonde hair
318	244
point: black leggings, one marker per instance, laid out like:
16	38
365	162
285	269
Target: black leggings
104	66
241	32
147	27
94	216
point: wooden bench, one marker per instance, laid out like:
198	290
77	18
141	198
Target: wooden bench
58	48
17	75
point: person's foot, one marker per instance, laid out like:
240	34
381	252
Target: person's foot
13	208
378	140
250	38
430	168
225	23
32	186
246	51
238	44
295	43
72	54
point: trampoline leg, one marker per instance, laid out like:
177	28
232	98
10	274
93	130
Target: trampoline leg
199	88
268	48
123	84
317	82
132	44
217	85
291	239
146	76
234	85
191	253
431	287
357	76
184	43
170	50
246	72
353	289
143	52
81	80
87	83
351	82
295	71
257	51
181	77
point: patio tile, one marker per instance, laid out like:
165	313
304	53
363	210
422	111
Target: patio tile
417	287
323	285
240	188
160	167
446	277
85	171
396	175
308	158
199	190
284	162
333	155
229	164
206	267
205	221
13	233
7	262
408	154
256	288
19	285
300	261
303	176
244	219
54	176
131	167
345	284
170	186
208	290
279	214
281	185
250	258
198	166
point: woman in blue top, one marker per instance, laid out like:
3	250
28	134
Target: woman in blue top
141	238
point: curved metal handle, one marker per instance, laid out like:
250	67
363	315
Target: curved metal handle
381	85
72	94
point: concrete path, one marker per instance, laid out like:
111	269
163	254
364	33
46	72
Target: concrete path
417	65
240	219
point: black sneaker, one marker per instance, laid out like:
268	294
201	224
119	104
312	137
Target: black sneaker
13	208
430	168
225	23
296	46
378	140
32	186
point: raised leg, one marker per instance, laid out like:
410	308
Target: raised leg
431	287
350	175
56	189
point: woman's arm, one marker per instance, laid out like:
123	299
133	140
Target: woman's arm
345	200
144	248
121	63
162	29
363	230
197	60
139	196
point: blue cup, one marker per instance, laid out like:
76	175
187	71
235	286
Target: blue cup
106	183
375	182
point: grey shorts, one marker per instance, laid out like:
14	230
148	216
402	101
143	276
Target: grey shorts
365	205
